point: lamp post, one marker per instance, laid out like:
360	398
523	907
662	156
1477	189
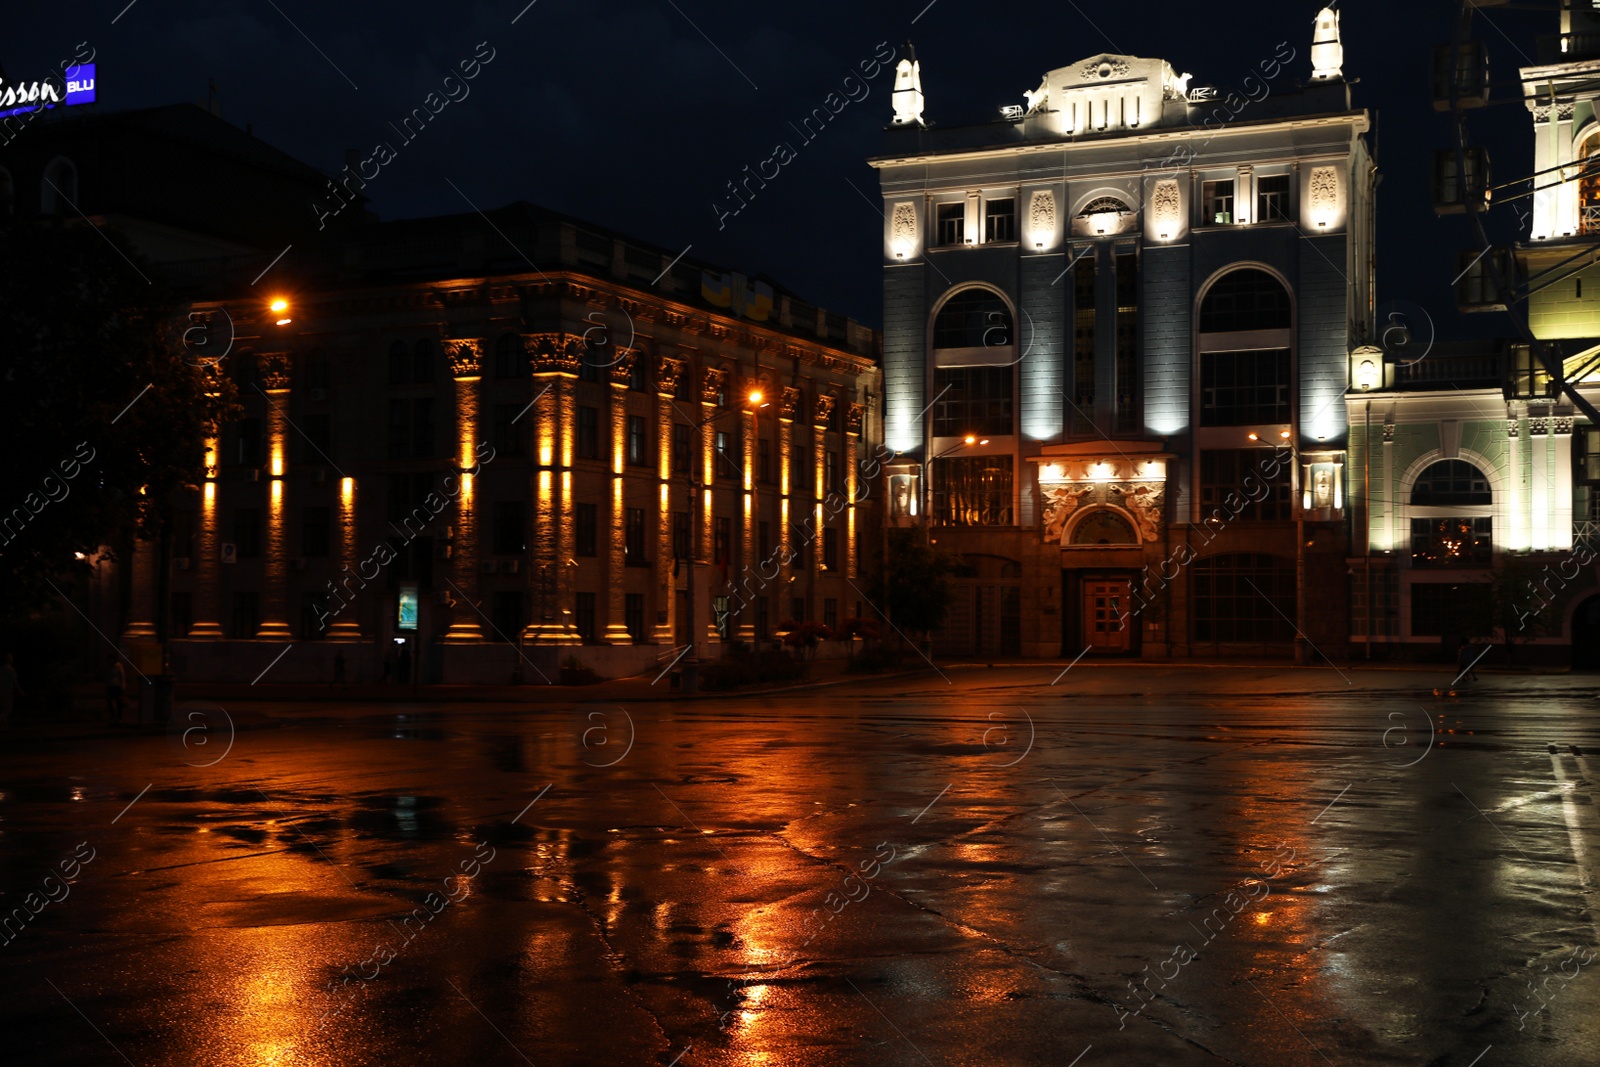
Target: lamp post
691	665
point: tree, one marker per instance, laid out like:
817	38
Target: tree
1514	609
103	418
919	582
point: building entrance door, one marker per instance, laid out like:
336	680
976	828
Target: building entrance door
1105	615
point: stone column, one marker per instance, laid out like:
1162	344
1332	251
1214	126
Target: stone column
346	625
466	365
852	445
555	360
713	382
616	632
747	540
786	413
142	585
207	625
668	372
275	558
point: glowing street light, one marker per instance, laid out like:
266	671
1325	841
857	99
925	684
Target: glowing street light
280	308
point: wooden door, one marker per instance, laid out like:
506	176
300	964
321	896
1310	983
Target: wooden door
1105	615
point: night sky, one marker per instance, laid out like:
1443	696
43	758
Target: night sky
635	113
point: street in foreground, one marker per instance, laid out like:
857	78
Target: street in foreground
1224	867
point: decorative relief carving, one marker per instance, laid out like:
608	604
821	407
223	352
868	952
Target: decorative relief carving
789	404
1166	206
465	356
275	372
1104	67
1042	212
1388	433
1541	113
823	414
853	417
1513	428
1144	502
668	372
903	225
622	367
713	384
1562	426
1324	190
1564	112
555	353
1539	427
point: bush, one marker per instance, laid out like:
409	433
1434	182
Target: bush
749	668
874	658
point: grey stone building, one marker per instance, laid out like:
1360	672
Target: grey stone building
1117	326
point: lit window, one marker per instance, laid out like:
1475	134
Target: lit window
1216	202
952	220
1000	220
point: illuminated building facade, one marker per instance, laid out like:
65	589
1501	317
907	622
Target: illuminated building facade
1118	320
1478	465
491	462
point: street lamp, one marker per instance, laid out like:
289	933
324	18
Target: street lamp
691	665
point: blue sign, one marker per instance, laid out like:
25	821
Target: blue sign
80	84
39	96
406	610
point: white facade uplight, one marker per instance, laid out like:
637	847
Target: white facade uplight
1367	375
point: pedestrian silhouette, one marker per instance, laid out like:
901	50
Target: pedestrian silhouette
116	686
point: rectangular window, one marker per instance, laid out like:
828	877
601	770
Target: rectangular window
399	429
973	491
1126	370
830	613
830	471
1248	484
952	223
638	375
682	452
1000	220
1272	198
247	442
799	541
802	459
510	429
586	523
245	619
583	616
422	427
592	367
510	527
680	535
972	400
247	532
633	537
1216	203
508	611
1244	388
588	432
729	462
1586	456
1245	597
830	549
638	442
510	361
315	524
1455	541
797	609
764	460
1083	346
722	541
1459	609
316	438
633	616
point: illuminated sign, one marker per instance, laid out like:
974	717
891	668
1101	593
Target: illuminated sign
36	96
405	617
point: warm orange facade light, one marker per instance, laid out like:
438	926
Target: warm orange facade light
280	308
755	397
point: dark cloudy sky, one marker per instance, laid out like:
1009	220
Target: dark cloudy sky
634	113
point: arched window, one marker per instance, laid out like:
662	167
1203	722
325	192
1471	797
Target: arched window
1449	483
1245	386
510	361
1452	525
1244	597
973	318
1103	527
1245	299
58	192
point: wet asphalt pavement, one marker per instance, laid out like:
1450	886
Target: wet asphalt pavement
1219	867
